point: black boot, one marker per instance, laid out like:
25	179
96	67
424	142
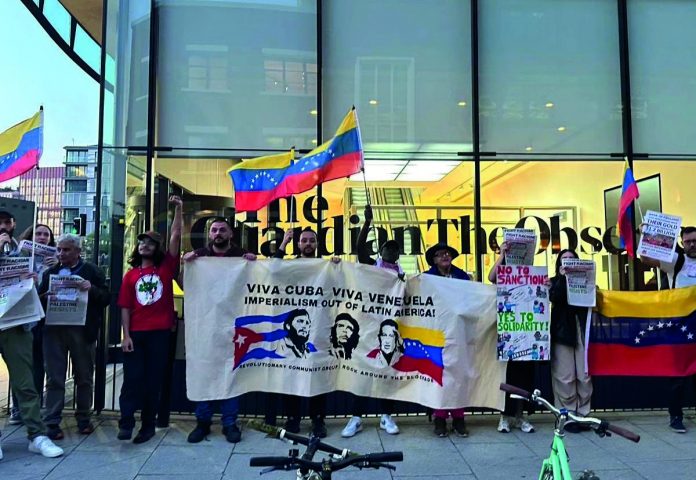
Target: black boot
200	432
292	425
319	427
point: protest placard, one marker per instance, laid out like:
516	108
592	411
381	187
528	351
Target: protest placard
581	281
521	243
523	313
41	253
67	304
659	236
19	302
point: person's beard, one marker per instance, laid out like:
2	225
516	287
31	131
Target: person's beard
309	252
221	241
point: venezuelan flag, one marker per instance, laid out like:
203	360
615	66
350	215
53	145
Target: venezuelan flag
259	181
422	352
629	193
644	333
21	147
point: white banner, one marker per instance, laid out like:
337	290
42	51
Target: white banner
521	243
524	313
310	326
66	304
19	302
659	237
581	279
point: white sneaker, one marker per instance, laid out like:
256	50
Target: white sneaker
387	424
43	445
353	426
503	424
524	425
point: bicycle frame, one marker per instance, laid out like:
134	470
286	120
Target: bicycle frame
557	462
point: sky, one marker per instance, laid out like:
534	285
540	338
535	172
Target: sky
37	72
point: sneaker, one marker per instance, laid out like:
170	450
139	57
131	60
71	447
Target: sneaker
15	417
54	432
232	433
388	425
124	433
319	427
677	424
292	425
353	426
43	445
459	427
504	424
144	435
200	432
440	426
0	452
524	425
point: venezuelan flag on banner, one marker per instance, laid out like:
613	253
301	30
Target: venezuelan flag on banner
644	333
21	147
422	352
259	181
629	193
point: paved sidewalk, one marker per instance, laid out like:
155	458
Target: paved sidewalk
486	454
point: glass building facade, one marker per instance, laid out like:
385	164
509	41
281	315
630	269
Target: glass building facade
476	116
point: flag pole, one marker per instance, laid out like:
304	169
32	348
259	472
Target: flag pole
367	191
36	197
292	197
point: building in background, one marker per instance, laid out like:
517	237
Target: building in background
9	192
46	187
80	186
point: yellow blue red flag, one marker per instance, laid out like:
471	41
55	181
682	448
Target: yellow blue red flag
21	147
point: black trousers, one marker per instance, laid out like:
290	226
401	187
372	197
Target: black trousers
676	398
519	374
360	405
293	406
143	372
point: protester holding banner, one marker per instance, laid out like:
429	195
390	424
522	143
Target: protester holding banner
44	237
572	386
440	257
681	272
220	235
74	331
307	245
16	349
146	299
519	373
389	260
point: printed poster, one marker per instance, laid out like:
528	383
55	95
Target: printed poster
41	253
659	237
19	301
66	304
523	313
521	243
581	282
309	326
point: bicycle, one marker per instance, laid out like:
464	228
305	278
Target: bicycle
557	466
307	468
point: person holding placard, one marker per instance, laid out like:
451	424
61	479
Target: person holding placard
44	236
519	373
70	332
681	272
572	387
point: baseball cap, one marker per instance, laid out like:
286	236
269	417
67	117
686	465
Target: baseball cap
152	235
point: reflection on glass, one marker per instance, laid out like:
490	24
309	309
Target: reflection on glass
87	49
59	17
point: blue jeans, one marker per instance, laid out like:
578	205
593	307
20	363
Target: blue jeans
228	409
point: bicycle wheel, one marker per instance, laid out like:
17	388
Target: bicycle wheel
546	473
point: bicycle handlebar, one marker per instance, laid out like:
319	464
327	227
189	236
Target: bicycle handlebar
600	426
627	434
283	434
371	460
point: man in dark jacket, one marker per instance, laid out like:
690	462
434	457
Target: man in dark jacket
80	341
221	245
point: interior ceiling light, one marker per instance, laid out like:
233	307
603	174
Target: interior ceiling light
373	102
462	104
313	112
549	105
561	129
529	149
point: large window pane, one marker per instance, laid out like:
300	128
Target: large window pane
662	42
237	74
550	76
405	65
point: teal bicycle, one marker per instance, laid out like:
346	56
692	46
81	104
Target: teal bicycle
557	466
